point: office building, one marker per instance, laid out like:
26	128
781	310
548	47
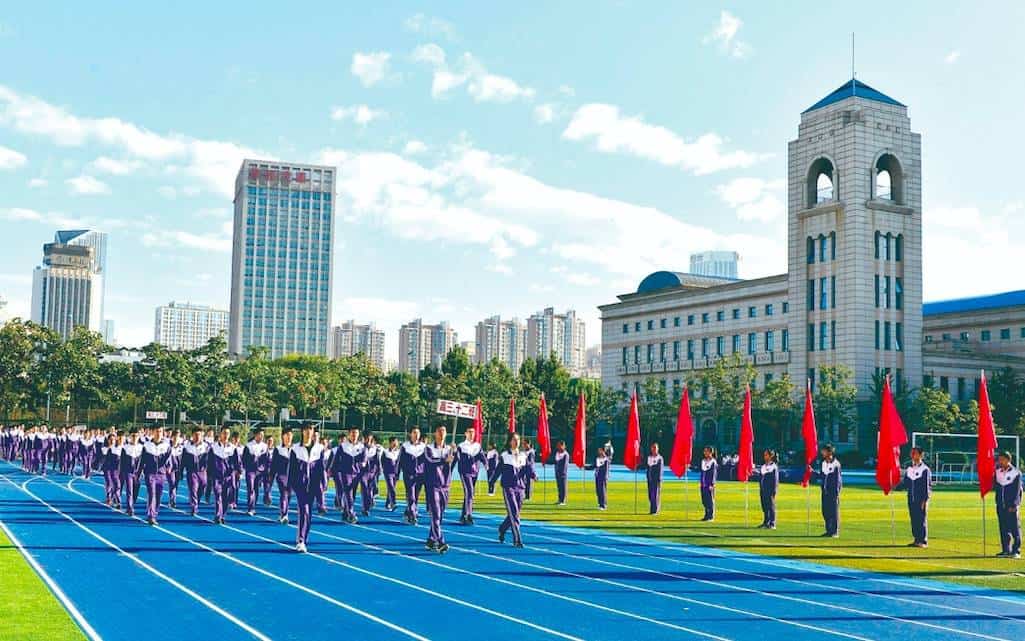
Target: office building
421	345
505	340
350	338
721	264
97	241
179	326
108	332
66	289
561	335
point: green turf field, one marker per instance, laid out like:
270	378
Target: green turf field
866	541
28	609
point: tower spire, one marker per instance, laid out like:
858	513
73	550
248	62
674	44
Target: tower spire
854	86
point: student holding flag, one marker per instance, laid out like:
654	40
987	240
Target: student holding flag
561	470
768	484
831	479
918	483
654	478
601	478
709	475
470	457
1008	500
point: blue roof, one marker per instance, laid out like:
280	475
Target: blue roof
992	301
664	279
65	235
851	89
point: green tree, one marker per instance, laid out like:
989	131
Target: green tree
1007	394
834	400
70	368
22	345
725	382
935	411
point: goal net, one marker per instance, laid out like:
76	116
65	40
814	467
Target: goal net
951	457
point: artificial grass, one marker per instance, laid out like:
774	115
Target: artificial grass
866	542
28	610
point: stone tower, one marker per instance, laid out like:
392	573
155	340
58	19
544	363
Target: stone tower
855	239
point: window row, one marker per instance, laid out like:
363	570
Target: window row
826	336
889	247
985	335
752	312
662	352
826	293
885	297
816	247
889	336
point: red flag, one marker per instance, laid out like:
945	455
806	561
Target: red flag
632	450
543	439
579	434
810	434
478	423
986	462
512	415
746	455
683	442
891	436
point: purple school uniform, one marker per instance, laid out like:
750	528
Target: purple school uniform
768	484
326	458
412	463
469	457
531	474
194	465
69	453
279	472
492	458
390	470
512	471
305	478
130	466
87	454
110	459
236	474
561	475
369	475
437	480
156	456
346	468
831	479
601	480
918	483
254	463
267	479
221	473
654	478
707	479
1007	493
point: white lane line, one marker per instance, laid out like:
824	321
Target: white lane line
383	577
206	602
63	598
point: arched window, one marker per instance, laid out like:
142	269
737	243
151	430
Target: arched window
821	182
832	245
811	250
888	183
898	247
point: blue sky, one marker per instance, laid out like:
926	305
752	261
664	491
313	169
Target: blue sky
493	159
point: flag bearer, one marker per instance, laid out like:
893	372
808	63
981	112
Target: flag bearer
194	463
1008	498
129	468
222	472
918	483
280	456
709	476
412	463
512	470
156	456
601	478
768	485
470	457
561	470
305	477
390	469
109	463
437	479
654	477
492	468
254	464
831	477
346	467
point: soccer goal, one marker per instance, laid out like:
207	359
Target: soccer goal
952	456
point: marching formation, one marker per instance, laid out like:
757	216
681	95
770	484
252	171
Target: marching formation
216	466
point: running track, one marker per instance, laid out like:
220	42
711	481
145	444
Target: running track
376	581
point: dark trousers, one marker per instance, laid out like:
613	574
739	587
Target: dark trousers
919	521
560	483
708	501
1010	530
831	513
768	508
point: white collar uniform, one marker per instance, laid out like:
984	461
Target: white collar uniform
915	472
1008	476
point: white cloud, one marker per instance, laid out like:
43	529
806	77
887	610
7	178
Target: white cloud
481	85
952	57
754	199
953	217
362	115
105	165
500	268
724	36
370	68
218	242
429	53
167	192
11	159
613	132
389	314
430	26
212	163
585	280
566	90
51	219
545	113
414	147
37	183
86	185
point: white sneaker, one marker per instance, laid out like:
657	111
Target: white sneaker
251	513
300	547
283	520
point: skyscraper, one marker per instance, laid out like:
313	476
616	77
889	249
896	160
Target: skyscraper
721	264
182	327
505	340
97	241
281	261
560	334
349	339
421	345
66	290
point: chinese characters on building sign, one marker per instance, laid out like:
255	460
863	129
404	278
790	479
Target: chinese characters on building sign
276	176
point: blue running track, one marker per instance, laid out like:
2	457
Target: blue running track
189	579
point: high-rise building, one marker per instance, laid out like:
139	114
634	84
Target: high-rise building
108	331
470	348
186	326
504	340
721	264
97	241
66	289
281	261
560	334
349	339
421	345
592	362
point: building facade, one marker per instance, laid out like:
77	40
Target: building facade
563	335
97	241
186	326
282	259
421	345
722	264
350	338
67	289
505	340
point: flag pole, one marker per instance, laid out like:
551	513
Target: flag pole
747	520
635	490
807	505
893	525
544	483
982	503
686	504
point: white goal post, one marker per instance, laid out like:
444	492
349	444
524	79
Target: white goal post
952	456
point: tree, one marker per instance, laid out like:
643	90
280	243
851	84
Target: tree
70	368
1007	393
657	413
834	400
725	382
935	411
406	392
22	344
